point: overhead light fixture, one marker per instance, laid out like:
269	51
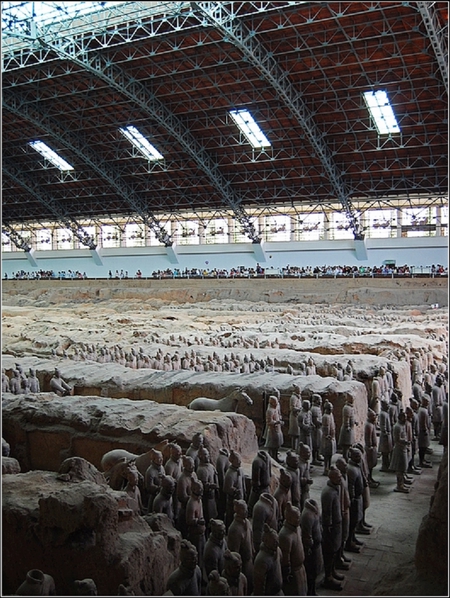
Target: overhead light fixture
381	111
50	155
250	128
141	143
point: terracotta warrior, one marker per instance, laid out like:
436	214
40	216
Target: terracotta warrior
132	489
207	474
399	459
217	585
192	450
183	491
195	522
328	446
342	561
152	478
312	543
295	405
222	464
233	485
58	385
173	468
240	539
5	381
282	495
385	442
332	529
355	490
292	553
371	445
305	423
347	431
292	467
232	571
363	527
186	580
163	502
411	434
304	473
316	436
376	395
274	436
261	476
15	384
215	547
264	512
268	579
33	381
423	437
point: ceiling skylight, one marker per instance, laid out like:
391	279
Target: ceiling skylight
381	111
141	143
50	155
249	128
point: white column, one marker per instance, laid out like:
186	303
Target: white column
294	231
399	223
438	221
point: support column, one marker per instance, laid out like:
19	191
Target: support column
294	232
399	223
438	222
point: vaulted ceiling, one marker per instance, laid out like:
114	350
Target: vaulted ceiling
174	70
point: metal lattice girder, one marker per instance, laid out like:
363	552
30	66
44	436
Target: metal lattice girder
35	114
18	241
221	16
138	93
68	221
438	36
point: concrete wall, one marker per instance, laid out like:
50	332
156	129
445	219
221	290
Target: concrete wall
421	251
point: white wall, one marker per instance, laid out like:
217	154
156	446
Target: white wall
420	251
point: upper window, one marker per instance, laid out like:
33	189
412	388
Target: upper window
50	155
141	143
381	112
249	128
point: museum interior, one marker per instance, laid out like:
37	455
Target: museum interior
224	298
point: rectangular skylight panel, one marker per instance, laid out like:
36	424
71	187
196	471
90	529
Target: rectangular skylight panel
141	143
249	128
381	111
50	155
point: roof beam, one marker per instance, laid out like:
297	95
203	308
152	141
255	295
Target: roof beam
34	189
34	113
221	16
437	35
138	93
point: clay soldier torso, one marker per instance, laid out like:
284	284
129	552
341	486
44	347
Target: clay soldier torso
265	511
355	490
331	517
292	554
423	421
347	432
292	462
295	405
328	446
385	443
215	547
305	425
261	477
240	539
399	459
207	474
370	443
268	579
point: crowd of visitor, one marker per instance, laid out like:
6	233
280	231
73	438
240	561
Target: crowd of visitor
245	272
